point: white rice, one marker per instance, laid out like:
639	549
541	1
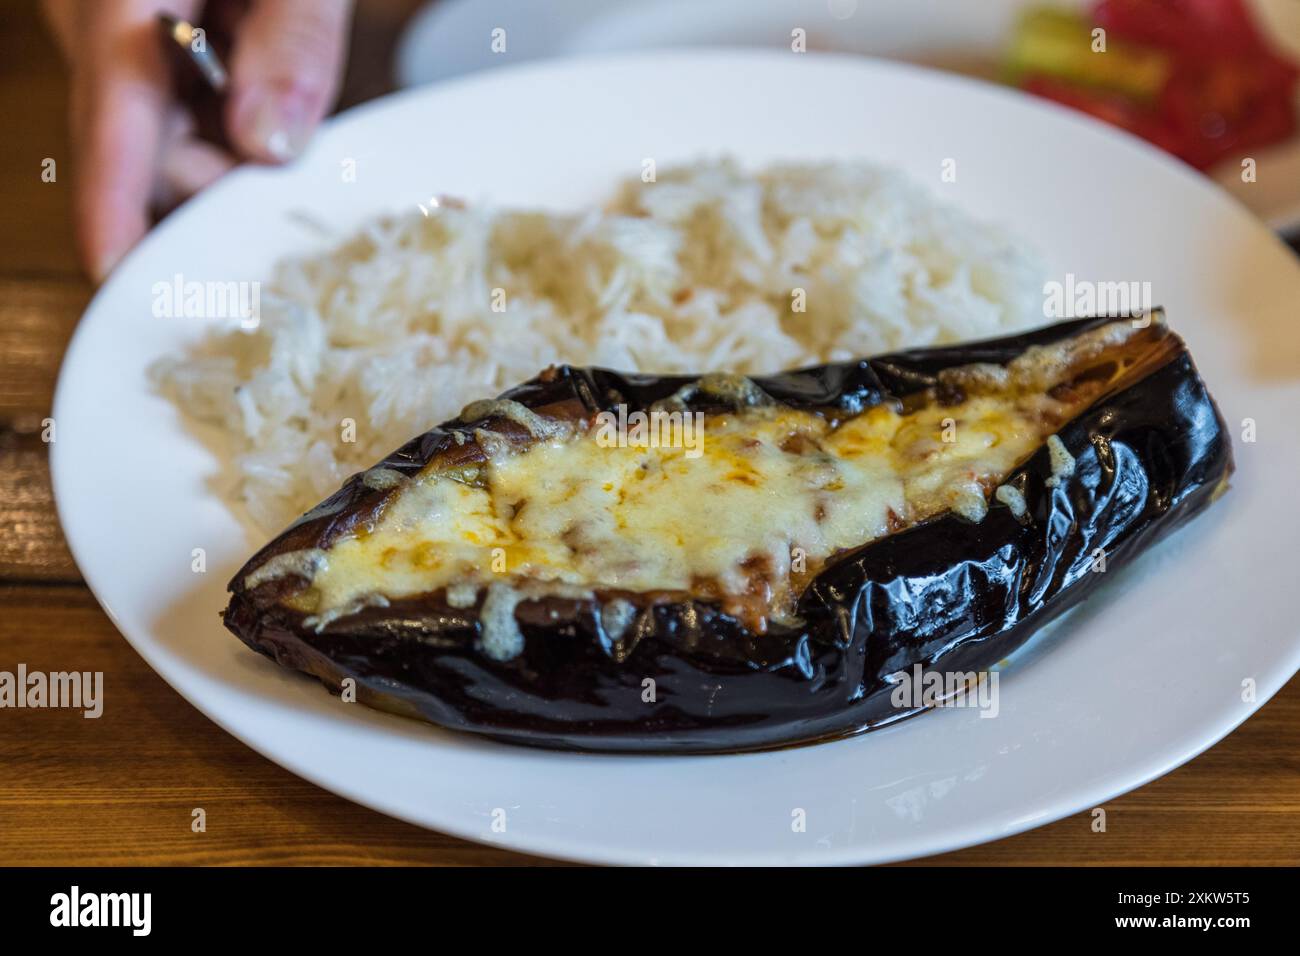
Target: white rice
396	331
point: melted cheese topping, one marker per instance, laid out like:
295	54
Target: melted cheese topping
775	494
747	520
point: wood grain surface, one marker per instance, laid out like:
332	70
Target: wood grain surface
121	789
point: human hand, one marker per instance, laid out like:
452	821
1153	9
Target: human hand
134	145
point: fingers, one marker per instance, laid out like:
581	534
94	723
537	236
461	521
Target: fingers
187	164
285	72
120	91
117	117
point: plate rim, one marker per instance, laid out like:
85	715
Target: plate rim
546	844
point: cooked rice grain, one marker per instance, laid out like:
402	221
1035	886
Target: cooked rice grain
396	331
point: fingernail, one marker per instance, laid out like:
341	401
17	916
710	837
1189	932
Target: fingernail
279	127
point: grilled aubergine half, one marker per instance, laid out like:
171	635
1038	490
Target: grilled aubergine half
539	571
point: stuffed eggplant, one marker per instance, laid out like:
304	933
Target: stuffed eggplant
605	561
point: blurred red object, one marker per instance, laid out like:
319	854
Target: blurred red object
1225	90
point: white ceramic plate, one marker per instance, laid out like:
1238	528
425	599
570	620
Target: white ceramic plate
451	37
1143	677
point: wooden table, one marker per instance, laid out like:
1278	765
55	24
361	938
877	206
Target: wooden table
120	790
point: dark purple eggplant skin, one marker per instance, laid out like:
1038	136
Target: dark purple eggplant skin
950	595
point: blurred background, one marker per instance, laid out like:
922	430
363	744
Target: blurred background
1205	80
1211	81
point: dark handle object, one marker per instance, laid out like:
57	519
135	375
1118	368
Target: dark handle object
198	74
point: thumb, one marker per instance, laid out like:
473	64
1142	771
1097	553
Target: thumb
284	73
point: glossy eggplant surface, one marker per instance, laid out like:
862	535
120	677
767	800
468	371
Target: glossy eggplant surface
689	669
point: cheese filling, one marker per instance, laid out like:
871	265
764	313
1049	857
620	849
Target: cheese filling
775	495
